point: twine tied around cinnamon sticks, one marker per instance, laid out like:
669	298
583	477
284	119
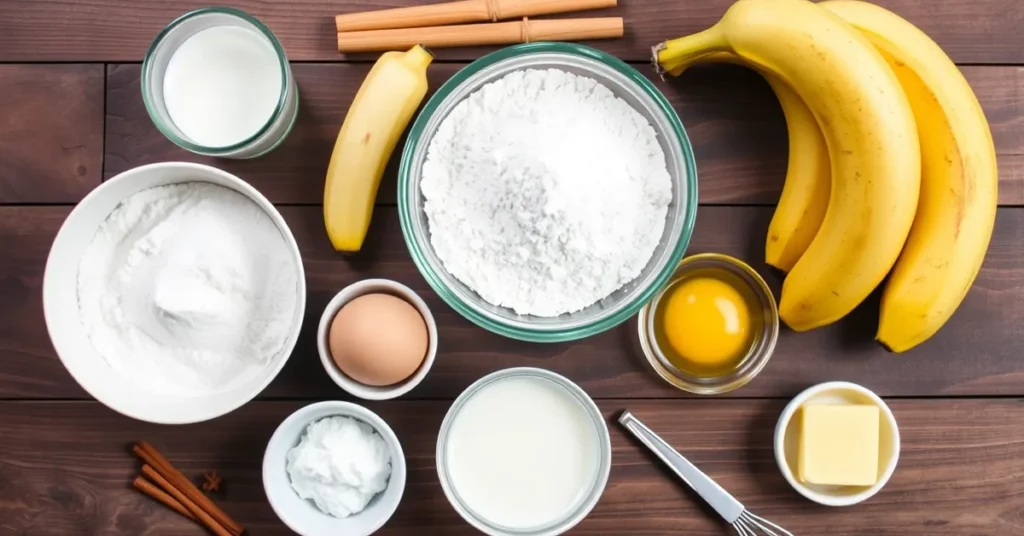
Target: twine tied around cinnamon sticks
442	25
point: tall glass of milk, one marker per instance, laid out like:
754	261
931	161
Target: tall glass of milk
216	82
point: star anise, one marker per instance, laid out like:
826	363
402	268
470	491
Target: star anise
213	481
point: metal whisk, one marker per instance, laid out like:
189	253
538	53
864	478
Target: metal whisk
743	522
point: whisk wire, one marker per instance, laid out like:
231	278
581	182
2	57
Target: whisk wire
741	528
769	528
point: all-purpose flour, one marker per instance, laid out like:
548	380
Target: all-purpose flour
187	288
545	192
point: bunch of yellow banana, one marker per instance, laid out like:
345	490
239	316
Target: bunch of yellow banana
911	183
381	110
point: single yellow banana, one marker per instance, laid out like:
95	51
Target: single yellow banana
805	193
804	198
870	133
959	180
375	121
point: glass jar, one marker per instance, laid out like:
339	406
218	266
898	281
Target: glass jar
248	141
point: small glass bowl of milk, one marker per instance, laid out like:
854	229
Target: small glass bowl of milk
217	82
523	452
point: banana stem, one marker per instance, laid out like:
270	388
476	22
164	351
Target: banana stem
675	55
417	58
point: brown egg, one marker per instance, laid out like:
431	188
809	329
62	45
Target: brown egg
378	339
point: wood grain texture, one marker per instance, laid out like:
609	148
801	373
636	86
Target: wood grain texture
29	365
51	132
65	470
976	353
980	31
732	119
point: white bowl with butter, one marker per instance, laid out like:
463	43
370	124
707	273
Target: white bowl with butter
837	447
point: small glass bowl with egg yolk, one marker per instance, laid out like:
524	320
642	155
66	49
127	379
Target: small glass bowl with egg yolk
712	328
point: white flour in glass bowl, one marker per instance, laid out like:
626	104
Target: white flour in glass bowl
545	192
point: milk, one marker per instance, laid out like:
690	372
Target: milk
222	85
522	452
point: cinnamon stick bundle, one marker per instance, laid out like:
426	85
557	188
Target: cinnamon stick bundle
183	491
500	33
461	12
190	505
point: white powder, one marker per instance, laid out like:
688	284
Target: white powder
545	192
339	464
187	288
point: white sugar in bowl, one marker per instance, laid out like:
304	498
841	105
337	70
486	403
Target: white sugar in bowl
133	396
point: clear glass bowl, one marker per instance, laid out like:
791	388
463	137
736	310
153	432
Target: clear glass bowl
585	502
627	84
277	126
761	348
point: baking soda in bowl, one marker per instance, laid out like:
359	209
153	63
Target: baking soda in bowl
523	453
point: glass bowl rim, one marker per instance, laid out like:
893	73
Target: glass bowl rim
282	99
587	501
554	334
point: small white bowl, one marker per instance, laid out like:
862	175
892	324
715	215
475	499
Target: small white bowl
786	442
302	516
76	351
351	292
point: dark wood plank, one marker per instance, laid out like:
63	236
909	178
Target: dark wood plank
51	132
30	367
66	470
982	31
731	118
977	353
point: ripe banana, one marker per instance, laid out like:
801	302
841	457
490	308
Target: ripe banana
956	212
805	193
869	130
375	121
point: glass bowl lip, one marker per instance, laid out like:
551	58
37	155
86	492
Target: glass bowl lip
282	98
759	286
586	503
547	334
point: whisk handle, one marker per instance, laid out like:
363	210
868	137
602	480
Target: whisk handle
725	504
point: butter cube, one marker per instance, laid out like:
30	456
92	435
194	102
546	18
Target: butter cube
838	445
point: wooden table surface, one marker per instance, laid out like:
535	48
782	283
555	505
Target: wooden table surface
71	115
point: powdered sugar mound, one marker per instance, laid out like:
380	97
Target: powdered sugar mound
544	192
188	288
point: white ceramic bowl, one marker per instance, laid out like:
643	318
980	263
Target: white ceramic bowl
786	442
60	302
351	292
302	516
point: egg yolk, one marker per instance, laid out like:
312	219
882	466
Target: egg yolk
707	321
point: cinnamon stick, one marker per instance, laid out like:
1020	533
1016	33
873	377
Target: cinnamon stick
204	518
500	33
151	456
460	12
153	491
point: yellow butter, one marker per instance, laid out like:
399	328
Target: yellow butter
838	445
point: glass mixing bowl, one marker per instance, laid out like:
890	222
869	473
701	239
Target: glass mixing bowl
627	84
